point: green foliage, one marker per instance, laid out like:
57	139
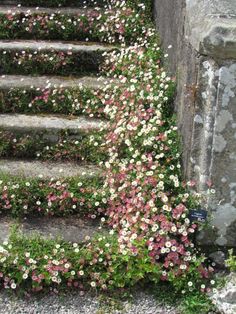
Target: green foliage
20	196
186	302
231	261
196	303
94	25
59	3
50	62
68	147
43	263
69	101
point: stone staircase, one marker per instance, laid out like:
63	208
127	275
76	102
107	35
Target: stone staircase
33	75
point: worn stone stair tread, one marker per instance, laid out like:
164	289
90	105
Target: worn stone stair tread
49	123
65	46
73	228
38	169
27	82
9	9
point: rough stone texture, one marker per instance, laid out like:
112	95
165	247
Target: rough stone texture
40	45
71	229
51	124
211	27
203	55
225	298
27	82
50	170
142	302
218	258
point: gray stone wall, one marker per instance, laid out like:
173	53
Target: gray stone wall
203	57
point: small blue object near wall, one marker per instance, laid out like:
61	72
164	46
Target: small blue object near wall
199	215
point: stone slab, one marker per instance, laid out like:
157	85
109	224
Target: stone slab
65	46
47	170
72	229
49	123
27	82
211	27
202	34
11	9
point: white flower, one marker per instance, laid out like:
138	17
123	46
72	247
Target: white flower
2	250
13	285
25	276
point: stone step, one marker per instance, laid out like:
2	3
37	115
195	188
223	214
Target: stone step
11	9
47	46
73	229
51	124
45	146
47	170
28	82
54	95
51	57
48	137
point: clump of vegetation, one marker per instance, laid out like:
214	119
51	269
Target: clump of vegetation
21	196
231	261
66	147
187	301
58	100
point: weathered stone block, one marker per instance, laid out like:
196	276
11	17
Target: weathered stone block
225	298
203	36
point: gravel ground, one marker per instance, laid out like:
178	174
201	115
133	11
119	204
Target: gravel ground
142	303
